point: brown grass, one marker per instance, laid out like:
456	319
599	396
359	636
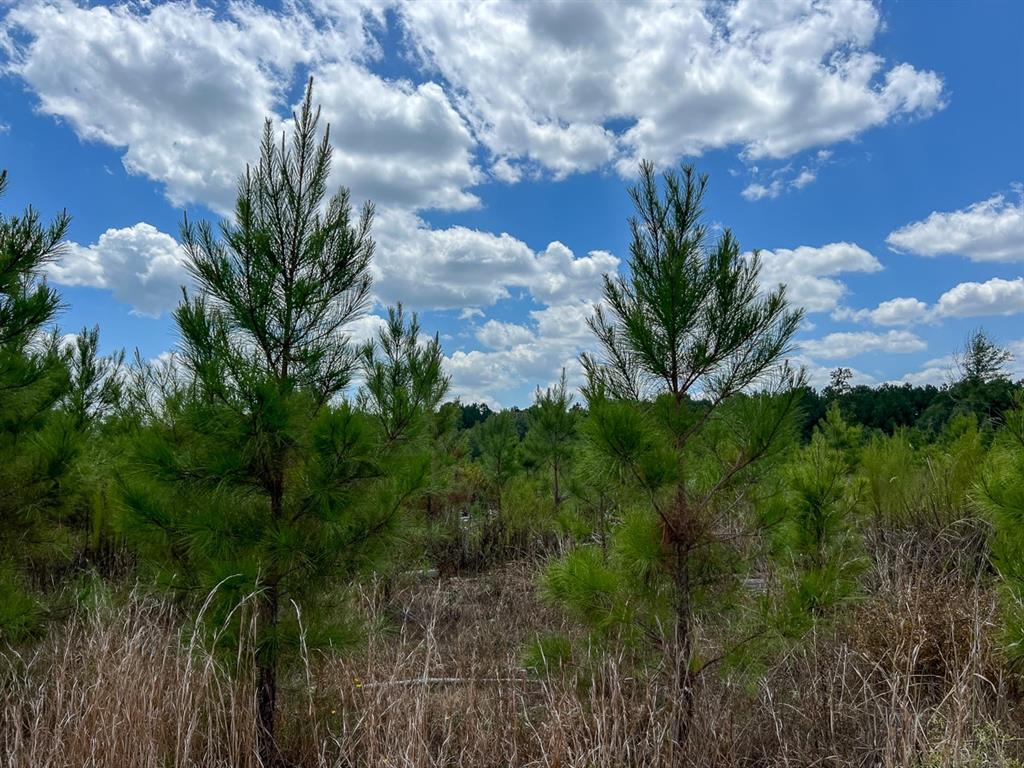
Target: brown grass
910	679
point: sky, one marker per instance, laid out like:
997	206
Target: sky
873	152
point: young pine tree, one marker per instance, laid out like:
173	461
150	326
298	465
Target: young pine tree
251	480
689	321
498	446
551	430
35	451
1001	492
404	381
92	408
818	540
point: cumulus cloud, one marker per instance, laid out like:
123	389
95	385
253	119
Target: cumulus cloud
523	355
538	85
990	230
459	267
504	92
142	266
993	297
755	191
899	311
397	144
541	82
138	77
141	80
498	335
836	346
935	372
808	272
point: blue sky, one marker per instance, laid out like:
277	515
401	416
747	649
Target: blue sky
872	151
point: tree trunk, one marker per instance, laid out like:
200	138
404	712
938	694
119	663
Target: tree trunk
266	630
266	670
683	649
558	490
682	539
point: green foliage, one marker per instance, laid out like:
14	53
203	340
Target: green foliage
888	466
547	654
96	382
496	442
249	482
403	380
36	447
841	436
623	595
981	360
817	540
690	318
689	314
1001	492
551	427
92	411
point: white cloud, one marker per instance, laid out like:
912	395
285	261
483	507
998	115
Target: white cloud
805	177
142	266
993	297
755	191
395	143
143	81
365	328
498	335
522	357
562	276
542	82
835	346
784	179
937	372
899	311
538	85
460	267
991	230
139	77
808	272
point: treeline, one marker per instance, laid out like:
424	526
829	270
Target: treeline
698	505
922	411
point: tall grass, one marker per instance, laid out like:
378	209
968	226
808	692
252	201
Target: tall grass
911	679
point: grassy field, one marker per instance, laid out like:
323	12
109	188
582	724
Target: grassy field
909	677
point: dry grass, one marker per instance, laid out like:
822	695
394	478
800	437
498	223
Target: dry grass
121	688
912	681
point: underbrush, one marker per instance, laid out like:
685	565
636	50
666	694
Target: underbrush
909	677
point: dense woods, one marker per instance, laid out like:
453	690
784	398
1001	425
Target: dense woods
284	547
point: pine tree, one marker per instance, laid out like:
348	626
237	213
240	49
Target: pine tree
91	408
34	449
982	360
681	337
817	540
1001	492
404	381
252	479
497	443
551	429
